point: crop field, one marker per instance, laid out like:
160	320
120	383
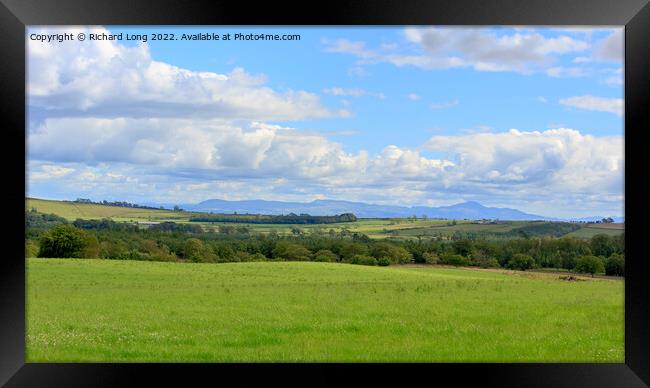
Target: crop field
72	210
590	231
133	311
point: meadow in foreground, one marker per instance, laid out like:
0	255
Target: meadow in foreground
130	311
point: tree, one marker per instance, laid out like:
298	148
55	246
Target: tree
363	260
394	253
197	252
326	255
589	264
455	260
293	252
521	262
63	241
430	257
615	265
603	245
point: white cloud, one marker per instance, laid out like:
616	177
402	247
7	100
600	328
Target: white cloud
560	160
480	48
107	79
611	48
352	92
49	171
413	97
444	105
190	161
562	71
601	104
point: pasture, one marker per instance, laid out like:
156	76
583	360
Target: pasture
133	311
398	228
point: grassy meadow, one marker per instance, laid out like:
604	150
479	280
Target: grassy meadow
396	228
133	311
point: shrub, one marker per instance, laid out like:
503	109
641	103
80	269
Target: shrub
91	247
325	255
615	265
197	252
363	260
31	248
483	259
63	240
395	253
589	264
521	262
150	250
430	257
454	259
487	262
383	261
292	252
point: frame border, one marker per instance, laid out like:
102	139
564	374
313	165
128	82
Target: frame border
15	15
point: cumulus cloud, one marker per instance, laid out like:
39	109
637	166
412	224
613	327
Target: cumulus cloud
601	104
183	159
479	48
538	162
611	48
107	79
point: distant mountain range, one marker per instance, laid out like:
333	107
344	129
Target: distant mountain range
465	210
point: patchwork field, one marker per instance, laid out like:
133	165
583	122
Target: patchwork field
398	228
131	311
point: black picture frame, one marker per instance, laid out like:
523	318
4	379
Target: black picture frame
15	15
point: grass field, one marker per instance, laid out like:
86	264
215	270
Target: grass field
374	228
130	311
72	210
590	231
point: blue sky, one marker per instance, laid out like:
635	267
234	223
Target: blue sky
529	118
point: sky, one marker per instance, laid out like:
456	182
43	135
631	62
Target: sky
523	117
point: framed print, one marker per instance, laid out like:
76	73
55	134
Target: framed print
247	195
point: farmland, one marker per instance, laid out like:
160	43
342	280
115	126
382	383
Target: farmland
125	311
395	228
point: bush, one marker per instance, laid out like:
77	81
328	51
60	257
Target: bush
63	240
150	250
430	257
383	261
589	264
615	265
197	252
325	255
455	260
483	259
31	248
363	260
395	253
521	262
292	252
487	262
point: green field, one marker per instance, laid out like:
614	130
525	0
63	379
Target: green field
130	311
397	228
591	231
72	210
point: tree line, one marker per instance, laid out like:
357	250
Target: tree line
52	236
290	218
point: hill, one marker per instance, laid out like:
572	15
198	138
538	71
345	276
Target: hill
466	210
